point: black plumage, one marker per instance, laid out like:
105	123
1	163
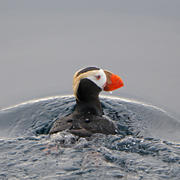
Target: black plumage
87	117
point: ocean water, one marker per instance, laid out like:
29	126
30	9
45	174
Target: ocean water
147	145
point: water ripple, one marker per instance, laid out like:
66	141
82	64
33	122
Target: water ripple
147	145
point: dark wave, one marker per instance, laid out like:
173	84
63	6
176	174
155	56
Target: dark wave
146	146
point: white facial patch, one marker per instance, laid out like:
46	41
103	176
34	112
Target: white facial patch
99	78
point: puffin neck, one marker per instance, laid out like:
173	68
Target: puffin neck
88	98
89	107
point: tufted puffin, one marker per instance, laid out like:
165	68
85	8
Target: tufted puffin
87	117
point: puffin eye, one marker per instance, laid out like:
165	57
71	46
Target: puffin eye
98	77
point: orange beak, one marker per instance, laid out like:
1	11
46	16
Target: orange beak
113	82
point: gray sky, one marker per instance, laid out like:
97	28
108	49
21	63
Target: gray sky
42	44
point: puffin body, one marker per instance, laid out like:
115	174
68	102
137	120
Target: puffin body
87	117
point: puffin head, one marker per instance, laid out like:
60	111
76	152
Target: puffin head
90	81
